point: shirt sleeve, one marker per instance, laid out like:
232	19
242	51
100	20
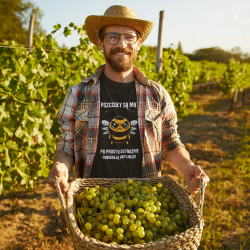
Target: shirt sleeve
170	136
66	119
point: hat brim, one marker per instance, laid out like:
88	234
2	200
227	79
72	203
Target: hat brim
93	25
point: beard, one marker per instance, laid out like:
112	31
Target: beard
120	64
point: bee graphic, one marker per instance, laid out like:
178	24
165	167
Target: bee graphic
119	129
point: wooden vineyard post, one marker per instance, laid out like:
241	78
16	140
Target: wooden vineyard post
234	101
159	46
31	30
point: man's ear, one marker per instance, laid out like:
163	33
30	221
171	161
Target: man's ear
100	44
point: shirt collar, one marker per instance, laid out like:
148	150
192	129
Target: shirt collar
139	76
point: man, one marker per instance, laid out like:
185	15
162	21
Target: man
117	123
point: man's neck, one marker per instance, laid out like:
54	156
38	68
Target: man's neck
115	76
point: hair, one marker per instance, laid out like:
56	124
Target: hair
102	34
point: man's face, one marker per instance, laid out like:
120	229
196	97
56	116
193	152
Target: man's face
120	56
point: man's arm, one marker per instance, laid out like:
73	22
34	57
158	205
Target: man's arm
64	155
174	151
61	166
179	159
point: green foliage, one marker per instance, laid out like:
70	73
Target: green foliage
175	76
236	76
32	89
14	20
205	71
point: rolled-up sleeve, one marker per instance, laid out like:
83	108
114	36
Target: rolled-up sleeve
66	119
170	136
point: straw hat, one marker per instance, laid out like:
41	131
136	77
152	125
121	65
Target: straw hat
117	15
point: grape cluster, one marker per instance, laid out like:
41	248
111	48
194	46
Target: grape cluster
129	213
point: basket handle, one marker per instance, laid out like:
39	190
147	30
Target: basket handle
203	185
60	194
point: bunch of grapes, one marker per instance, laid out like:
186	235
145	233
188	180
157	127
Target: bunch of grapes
129	213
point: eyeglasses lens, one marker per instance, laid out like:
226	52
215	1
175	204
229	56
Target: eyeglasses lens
113	38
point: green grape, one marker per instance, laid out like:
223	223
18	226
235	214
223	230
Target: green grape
99	217
103	198
164	224
121	205
163	231
117	194
98	236
118	210
125	240
140	203
152	219
112	189
88	197
176	232
124	227
130	181
102	206
116	220
132	216
138	223
93	195
120	236
111	223
135	201
112	207
158	223
177	217
150	215
99	227
118	216
111	202
136	240
153	229
132	227
141	234
88	226
119	230
109	232
179	222
104	221
125	221
130	188
135	234
145	204
105	238
110	216
97	204
185	216
128	235
127	211
104	228
141	241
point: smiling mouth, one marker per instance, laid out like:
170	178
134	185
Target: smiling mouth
121	54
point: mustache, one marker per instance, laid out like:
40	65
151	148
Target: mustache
120	50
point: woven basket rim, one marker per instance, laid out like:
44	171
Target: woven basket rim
174	239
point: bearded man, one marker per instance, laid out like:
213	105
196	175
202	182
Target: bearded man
117	123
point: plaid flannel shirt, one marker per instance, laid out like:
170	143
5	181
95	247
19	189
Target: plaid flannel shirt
79	123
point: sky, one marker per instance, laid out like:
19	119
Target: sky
196	24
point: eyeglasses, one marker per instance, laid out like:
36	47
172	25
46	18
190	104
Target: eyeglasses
130	37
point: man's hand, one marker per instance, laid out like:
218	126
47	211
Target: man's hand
61	171
192	177
62	164
179	159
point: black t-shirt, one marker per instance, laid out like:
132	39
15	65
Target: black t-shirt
119	153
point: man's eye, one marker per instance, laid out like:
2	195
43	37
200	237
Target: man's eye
112	37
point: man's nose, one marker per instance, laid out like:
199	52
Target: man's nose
122	43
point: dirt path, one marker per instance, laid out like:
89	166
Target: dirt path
34	220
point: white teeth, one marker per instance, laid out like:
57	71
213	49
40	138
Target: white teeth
121	53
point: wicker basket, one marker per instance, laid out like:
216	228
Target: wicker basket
190	239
